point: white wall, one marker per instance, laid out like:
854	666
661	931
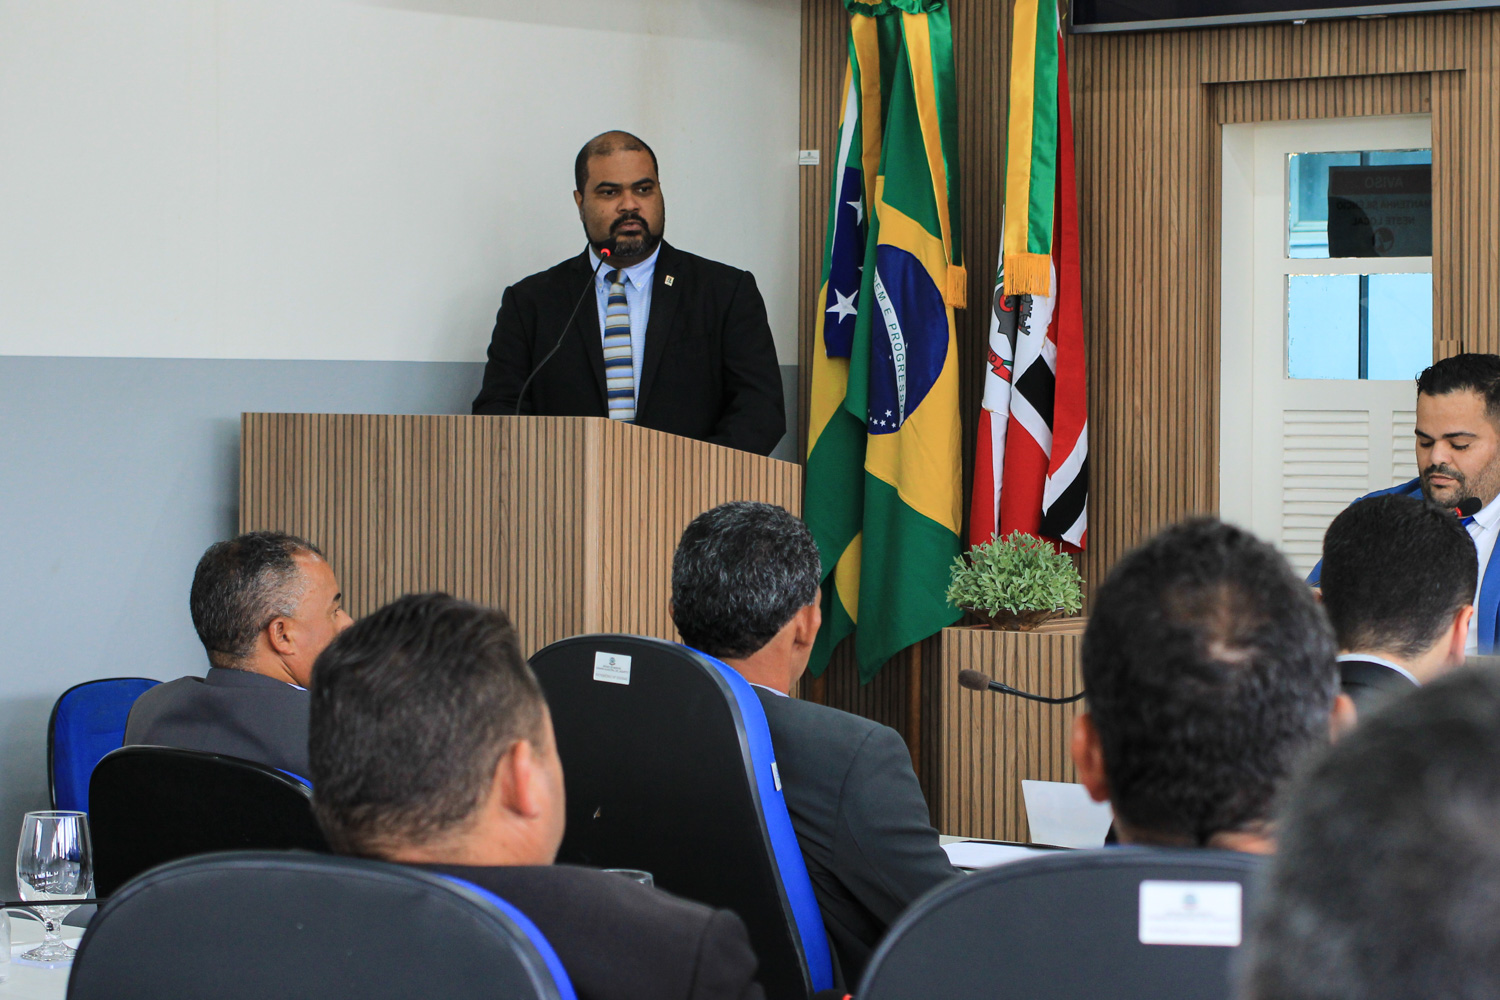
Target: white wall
360	179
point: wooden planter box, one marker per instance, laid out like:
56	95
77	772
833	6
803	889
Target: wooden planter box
985	743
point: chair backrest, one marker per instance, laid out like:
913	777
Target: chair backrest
151	805
257	925
88	721
669	768
1074	925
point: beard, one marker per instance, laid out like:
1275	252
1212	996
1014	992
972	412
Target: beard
1461	491
637	246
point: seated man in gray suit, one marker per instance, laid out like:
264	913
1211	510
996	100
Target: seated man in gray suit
745	590
264	605
1399	575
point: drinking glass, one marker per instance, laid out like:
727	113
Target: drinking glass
634	874
54	862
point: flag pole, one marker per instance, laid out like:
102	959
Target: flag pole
914	706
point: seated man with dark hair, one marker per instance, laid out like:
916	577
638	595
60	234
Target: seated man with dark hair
264	605
432	745
745	590
1399	575
1210	671
1387	882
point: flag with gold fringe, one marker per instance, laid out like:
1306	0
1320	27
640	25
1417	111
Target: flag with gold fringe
884	481
1031	453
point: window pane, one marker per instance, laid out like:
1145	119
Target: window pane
1374	203
1322	326
1400	318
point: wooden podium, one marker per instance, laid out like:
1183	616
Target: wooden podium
568	523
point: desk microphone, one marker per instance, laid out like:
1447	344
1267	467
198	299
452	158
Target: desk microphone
604	254
975	681
1468	507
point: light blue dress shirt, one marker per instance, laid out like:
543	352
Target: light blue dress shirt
637	279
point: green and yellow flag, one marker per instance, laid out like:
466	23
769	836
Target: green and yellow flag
884	482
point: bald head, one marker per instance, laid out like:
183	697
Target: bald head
605	144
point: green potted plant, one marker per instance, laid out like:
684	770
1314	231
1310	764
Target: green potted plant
1016	582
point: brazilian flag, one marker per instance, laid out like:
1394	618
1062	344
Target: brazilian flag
884	481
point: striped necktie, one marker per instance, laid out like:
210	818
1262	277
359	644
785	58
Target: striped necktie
619	363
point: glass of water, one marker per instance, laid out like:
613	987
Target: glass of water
54	863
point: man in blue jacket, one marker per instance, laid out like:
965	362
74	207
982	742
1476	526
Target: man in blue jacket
1458	455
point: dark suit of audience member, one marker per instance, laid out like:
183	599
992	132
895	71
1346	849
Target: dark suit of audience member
745	590
659	337
431	746
860	818
264	606
1398	579
1371	684
231	712
620	939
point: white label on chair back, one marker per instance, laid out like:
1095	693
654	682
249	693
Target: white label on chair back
1191	913
613	668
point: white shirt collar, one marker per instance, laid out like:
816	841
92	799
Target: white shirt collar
1489	515
638	275
1372	658
782	694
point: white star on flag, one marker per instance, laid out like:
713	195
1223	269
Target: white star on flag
859	211
845	305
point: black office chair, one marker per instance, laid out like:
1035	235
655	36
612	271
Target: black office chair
151	805
257	925
1069	926
669	768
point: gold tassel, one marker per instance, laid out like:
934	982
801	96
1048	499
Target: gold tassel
1028	274
957	292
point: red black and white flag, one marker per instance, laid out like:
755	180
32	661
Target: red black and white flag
1031	461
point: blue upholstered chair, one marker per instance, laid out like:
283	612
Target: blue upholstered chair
1129	923
669	768
152	805
254	925
88	721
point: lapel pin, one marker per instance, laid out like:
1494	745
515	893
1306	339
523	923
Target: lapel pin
668	281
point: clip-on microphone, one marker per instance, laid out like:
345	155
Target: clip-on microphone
604	254
1468	507
975	681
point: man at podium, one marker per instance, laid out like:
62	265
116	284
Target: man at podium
671	340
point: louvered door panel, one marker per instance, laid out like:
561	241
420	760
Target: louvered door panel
1325	460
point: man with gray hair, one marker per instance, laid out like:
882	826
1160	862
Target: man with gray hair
1386	884
745	590
264	605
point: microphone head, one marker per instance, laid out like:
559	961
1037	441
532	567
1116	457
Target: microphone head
1468	507
973	680
606	252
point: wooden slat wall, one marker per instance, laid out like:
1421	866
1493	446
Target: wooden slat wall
513	513
989	743
1148	109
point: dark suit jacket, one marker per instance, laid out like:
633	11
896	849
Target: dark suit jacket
1370	685
233	712
619	940
709	372
860	818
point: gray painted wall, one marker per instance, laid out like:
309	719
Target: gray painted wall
115	475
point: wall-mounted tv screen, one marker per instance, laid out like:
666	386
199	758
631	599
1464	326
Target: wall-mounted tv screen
1155	15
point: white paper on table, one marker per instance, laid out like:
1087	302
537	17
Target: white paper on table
983	854
1061	813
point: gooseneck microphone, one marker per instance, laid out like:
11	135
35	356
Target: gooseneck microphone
975	681
604	254
1468	507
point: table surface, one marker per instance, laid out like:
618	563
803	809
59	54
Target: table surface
29	981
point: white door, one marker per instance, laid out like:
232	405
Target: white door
1326	318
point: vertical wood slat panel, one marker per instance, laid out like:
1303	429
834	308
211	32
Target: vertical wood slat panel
514	513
